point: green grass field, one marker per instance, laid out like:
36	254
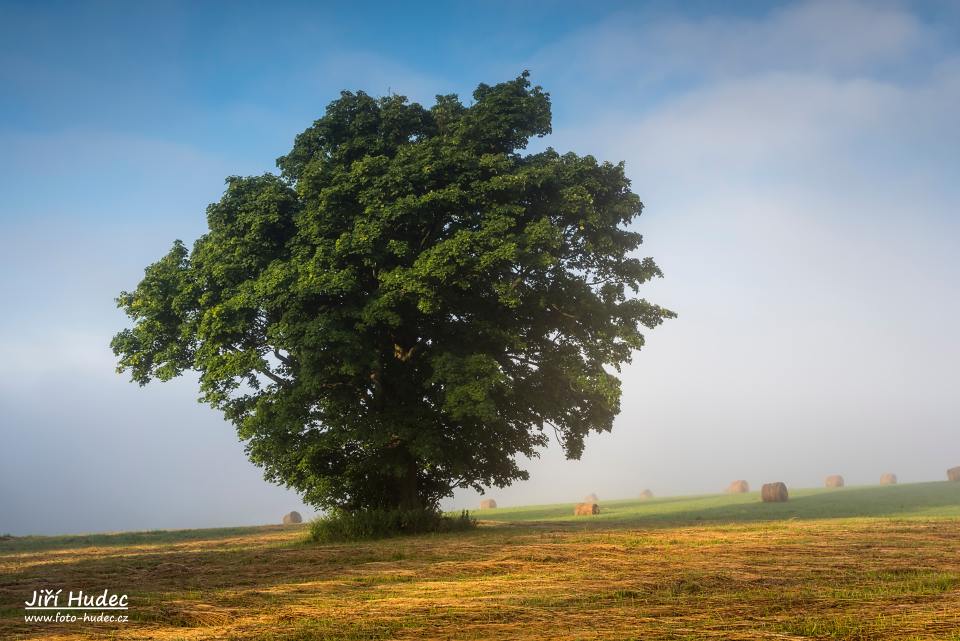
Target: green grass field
940	499
855	564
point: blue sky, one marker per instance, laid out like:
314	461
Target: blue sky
798	161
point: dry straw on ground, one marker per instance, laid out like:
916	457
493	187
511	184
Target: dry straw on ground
738	487
774	492
888	479
646	495
953	474
487	504
586	509
578	578
834	480
882	580
292	517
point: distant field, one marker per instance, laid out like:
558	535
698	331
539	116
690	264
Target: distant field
855	564
915	499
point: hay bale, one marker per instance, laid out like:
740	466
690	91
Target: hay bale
834	480
591	498
738	487
292	517
953	474
888	479
774	492
487	504
586	509
646	495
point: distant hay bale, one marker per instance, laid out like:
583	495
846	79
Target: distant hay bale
291	518
834	480
591	498
888	479
487	504
586	509
646	495
774	492
738	487
953	474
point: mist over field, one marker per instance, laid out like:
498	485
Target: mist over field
797	161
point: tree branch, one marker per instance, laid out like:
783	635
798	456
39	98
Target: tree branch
273	377
556	433
279	380
561	312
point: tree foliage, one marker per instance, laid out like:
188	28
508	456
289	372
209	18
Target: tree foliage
410	304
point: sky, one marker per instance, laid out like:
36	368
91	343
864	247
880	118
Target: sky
799	164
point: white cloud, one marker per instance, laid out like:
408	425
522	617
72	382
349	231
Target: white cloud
821	36
824	35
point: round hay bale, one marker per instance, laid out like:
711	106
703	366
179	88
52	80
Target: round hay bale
888	479
586	509
834	480
591	498
738	487
953	474
488	504
292	517
774	492
646	495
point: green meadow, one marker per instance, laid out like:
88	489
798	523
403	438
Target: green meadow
937	499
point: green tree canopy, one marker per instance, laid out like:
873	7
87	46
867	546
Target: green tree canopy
410	304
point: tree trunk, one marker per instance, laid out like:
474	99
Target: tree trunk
407	489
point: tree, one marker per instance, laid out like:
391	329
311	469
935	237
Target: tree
409	305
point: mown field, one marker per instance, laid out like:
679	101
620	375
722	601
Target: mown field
856	564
